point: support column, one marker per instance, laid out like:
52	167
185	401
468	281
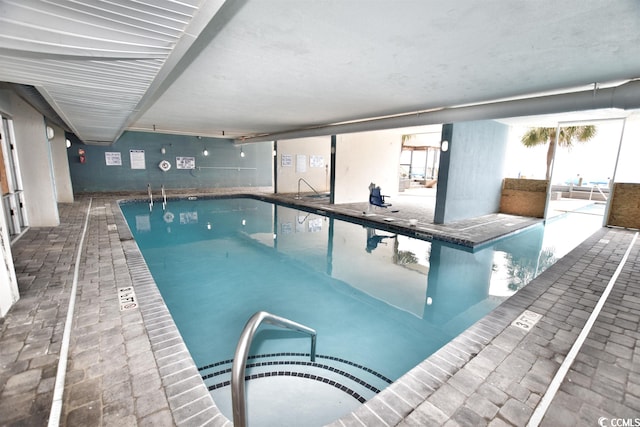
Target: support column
471	170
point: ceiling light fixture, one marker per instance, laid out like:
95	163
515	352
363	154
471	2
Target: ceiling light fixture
241	152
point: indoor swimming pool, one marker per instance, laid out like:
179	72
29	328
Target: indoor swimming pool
380	302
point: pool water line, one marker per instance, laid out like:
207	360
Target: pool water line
557	380
58	390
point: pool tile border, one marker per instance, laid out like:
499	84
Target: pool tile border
320	366
294	354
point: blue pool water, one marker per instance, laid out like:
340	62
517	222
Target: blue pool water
380	302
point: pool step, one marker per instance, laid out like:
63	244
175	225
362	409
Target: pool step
358	381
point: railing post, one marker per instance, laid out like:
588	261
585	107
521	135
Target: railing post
150	197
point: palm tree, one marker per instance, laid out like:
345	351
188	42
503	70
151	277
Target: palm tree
568	135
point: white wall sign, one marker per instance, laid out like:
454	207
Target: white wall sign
316	161
185	162
286	160
137	159
301	163
112	158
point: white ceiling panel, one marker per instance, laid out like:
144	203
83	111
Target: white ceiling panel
93	61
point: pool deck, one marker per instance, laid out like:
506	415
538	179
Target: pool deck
130	368
418	204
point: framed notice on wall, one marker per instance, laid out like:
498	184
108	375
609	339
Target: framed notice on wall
137	159
316	161
286	160
301	163
185	162
113	158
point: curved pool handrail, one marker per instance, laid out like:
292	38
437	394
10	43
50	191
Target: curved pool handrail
238	396
150	194
308	185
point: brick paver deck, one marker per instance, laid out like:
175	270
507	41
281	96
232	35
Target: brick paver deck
131	367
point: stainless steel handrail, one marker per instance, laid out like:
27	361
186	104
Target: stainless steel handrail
238	397
308	185
150	197
164	198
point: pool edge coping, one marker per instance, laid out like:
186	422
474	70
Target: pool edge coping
201	409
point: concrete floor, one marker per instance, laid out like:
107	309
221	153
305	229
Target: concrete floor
130	367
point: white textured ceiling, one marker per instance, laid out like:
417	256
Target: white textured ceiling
255	66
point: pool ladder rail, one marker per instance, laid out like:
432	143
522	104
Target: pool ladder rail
308	185
162	194
238	394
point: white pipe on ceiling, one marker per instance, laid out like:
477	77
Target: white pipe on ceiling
624	97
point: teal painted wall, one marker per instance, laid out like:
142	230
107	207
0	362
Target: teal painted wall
222	168
471	171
